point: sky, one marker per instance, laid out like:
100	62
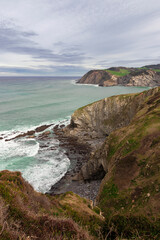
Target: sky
70	37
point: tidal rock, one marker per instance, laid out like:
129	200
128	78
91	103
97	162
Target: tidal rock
42	128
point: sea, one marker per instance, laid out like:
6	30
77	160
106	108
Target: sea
29	102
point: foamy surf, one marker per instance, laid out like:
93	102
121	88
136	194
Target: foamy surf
40	166
19	148
74	82
43	176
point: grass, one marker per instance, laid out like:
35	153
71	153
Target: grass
132	210
121	73
145	68
41	216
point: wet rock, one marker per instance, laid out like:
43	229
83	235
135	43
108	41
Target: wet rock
32	136
56	127
30	132
42	128
62	126
44	135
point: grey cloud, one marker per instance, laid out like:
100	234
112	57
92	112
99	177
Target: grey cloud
19	42
51	70
93	33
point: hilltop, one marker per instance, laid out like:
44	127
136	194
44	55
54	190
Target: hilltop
144	76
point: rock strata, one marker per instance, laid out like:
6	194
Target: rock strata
122	76
93	123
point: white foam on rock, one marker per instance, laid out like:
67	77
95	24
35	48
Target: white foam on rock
41	167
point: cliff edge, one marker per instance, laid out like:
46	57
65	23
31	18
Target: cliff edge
145	76
127	130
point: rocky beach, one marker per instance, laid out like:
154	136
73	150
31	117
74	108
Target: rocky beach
113	147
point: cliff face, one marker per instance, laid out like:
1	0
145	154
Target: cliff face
122	76
98	77
148	78
92	123
129	158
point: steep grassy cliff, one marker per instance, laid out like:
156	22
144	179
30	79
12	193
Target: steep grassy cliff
129	195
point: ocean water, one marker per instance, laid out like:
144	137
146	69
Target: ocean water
28	102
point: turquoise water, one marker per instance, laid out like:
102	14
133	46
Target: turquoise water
28	102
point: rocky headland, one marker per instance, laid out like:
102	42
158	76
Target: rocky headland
117	140
147	76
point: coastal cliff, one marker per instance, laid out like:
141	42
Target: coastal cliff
123	133
127	160
145	76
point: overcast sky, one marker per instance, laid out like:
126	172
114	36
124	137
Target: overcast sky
70	37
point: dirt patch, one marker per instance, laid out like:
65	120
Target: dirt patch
148	142
126	170
137	193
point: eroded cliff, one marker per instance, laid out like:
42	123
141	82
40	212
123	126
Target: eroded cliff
123	76
130	191
94	122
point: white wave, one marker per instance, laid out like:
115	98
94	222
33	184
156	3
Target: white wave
41	167
43	176
9	134
74	82
20	148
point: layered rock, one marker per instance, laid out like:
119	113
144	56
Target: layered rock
145	78
99	119
129	158
98	77
112	77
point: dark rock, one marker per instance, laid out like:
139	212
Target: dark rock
62	126
30	132
56	127
42	128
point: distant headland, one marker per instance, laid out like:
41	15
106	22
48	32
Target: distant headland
146	76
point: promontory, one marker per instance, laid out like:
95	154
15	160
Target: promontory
147	76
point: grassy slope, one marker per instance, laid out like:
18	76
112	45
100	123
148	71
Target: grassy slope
130	192
121	73
24	212
124	72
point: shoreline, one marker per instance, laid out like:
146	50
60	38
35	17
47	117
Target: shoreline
78	155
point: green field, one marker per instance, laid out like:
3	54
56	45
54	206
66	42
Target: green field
121	73
156	70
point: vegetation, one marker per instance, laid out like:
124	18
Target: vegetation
130	192
128	205
122	72
26	214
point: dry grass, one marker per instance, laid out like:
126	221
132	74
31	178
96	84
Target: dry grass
26	214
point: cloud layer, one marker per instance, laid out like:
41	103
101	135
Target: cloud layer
67	37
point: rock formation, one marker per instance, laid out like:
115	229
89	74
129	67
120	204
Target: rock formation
129	158
146	77
124	135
